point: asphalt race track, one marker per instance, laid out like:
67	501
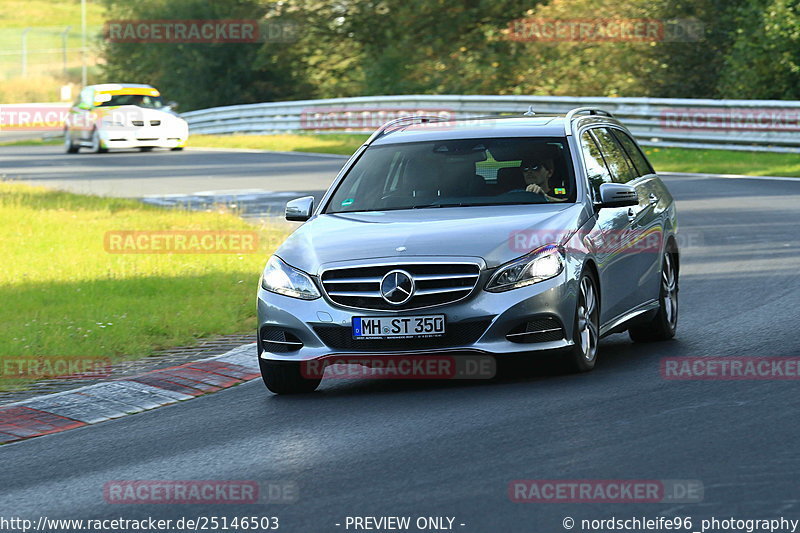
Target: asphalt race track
400	448
266	178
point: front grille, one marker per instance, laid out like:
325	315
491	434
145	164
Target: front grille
155	122
435	284
277	340
139	123
537	329
458	334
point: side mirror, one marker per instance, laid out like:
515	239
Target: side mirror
172	105
617	195
300	209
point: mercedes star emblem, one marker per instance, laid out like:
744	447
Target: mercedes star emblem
397	287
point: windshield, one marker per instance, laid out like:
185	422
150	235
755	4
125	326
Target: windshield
457	173
141	100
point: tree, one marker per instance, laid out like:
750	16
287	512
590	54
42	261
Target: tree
202	75
372	47
764	61
691	67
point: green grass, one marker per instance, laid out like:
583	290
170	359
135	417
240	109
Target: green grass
724	162
33	142
63	295
25	13
335	143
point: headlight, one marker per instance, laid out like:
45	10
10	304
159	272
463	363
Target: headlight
541	264
281	278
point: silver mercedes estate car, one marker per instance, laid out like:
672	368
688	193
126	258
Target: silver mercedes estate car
493	236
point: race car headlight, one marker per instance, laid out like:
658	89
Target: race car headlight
280	278
541	264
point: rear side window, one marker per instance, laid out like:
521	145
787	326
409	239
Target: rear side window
643	167
621	167
86	97
596	169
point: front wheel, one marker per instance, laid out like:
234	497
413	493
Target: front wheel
69	146
286	377
663	326
97	146
583	354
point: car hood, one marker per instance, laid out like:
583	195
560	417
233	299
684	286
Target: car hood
497	234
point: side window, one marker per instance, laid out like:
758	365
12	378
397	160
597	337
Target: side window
596	169
634	152
622	170
87	97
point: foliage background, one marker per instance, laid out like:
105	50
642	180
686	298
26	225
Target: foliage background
749	49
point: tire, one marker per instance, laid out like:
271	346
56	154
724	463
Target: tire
664	324
285	377
96	147
177	149
582	356
145	148
69	146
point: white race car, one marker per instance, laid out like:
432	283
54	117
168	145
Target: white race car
122	115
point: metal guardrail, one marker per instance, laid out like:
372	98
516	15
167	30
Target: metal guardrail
761	125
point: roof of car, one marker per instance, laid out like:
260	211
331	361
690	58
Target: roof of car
115	86
482	127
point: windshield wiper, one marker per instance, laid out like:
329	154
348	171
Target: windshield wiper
428	206
477	204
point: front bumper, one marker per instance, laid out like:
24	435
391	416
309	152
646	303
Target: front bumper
142	138
479	323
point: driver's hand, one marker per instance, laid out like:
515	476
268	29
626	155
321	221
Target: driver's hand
534	188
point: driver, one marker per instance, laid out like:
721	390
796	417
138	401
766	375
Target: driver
537	174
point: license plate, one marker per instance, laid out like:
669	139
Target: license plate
401	327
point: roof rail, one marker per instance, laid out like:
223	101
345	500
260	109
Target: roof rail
402	121
578	110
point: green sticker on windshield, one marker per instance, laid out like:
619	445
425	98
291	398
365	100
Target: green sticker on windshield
348	201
